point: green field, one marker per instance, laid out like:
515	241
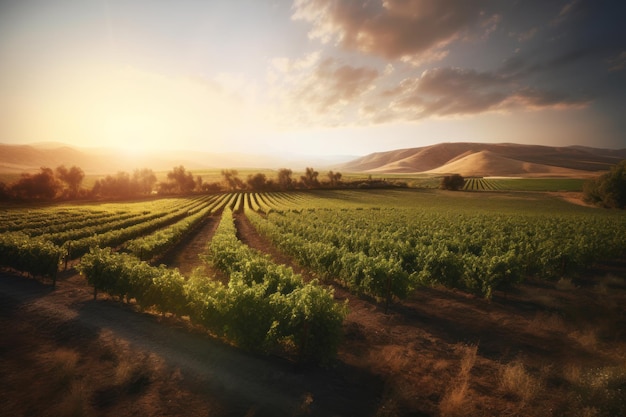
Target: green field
427	273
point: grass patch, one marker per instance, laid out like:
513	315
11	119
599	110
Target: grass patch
455	400
515	381
62	364
598	392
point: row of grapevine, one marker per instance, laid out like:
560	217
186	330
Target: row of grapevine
60	233
127	277
472	184
54	220
32	255
262	306
271	304
379	276
147	247
477	253
118	236
51	219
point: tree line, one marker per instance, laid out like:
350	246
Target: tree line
65	183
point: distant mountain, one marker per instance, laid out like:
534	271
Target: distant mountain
485	159
30	158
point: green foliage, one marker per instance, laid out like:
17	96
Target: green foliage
36	256
124	276
265	304
146	247
608	190
477	252
452	182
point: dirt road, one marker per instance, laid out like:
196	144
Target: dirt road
244	383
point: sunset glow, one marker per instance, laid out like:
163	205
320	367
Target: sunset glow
312	76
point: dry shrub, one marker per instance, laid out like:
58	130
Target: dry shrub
587	338
598	391
455	399
62	364
565	284
133	376
516	381
547	322
75	403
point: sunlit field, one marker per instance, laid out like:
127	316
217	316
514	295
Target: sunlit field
479	280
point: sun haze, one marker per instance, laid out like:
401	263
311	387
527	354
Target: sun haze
311	76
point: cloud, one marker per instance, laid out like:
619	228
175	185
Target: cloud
318	91
451	92
618	63
567	10
415	31
528	35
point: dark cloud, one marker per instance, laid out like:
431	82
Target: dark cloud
445	92
492	56
394	29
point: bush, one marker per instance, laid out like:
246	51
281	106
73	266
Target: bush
608	190
452	182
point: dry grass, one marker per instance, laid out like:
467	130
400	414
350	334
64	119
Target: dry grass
597	391
565	284
587	338
514	380
455	400
549	322
62	364
75	403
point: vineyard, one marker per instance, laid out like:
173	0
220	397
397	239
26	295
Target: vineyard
384	245
388	247
523	184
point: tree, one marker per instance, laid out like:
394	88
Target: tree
285	182
309	179
118	185
72	177
4	192
608	190
333	178
257	182
233	183
452	182
40	186
144	180
183	180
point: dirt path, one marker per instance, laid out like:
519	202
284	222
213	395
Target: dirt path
248	235
244	384
185	255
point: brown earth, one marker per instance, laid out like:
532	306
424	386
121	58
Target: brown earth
490	159
439	352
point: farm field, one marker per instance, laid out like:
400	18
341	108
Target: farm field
524	184
435	302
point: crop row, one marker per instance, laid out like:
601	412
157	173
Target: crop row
262	305
273	304
480	184
479	253
117	236
35	256
40	255
378	276
146	247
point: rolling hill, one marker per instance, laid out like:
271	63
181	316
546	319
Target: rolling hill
485	159
16	159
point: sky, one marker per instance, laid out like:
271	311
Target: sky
317	77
